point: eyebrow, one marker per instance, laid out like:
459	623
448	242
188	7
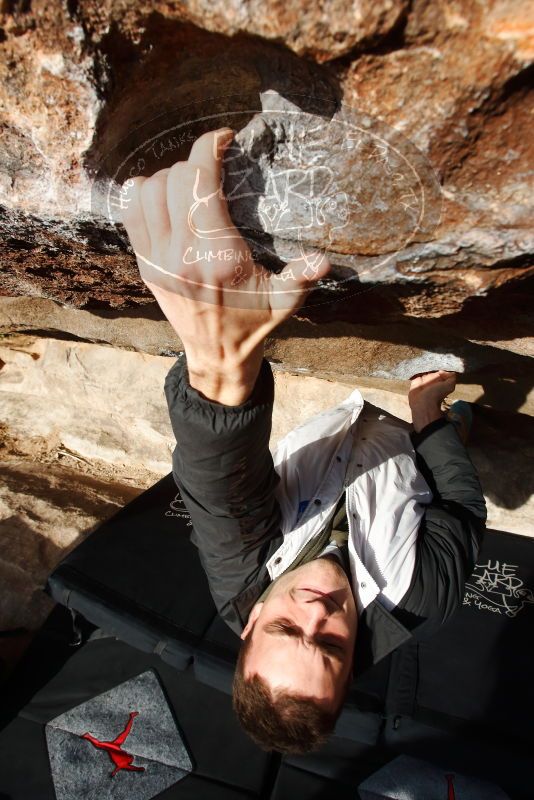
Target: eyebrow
284	627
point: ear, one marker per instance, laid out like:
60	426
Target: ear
252	617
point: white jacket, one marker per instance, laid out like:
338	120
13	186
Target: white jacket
357	446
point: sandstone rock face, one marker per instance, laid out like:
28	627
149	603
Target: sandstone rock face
119	415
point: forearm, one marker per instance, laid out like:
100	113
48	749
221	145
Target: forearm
451	531
224	470
226	381
222	459
447	550
446	465
424	413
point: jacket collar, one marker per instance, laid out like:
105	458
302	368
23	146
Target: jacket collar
379	633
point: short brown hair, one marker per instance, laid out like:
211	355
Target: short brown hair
279	721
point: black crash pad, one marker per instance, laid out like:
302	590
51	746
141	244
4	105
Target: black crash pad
42	745
64	688
139	577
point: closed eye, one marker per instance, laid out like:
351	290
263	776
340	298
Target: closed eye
283	627
330	645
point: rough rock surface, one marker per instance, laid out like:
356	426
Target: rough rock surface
86	85
323	30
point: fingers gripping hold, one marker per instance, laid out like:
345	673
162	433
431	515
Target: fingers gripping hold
431	387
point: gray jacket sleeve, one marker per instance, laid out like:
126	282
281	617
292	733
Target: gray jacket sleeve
224	470
451	532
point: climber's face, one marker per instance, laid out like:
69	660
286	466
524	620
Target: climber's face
304	632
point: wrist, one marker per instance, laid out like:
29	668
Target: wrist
221	389
424	414
226	381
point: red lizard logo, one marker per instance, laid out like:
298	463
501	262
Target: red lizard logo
451	794
120	758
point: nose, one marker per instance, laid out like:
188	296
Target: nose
314	608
